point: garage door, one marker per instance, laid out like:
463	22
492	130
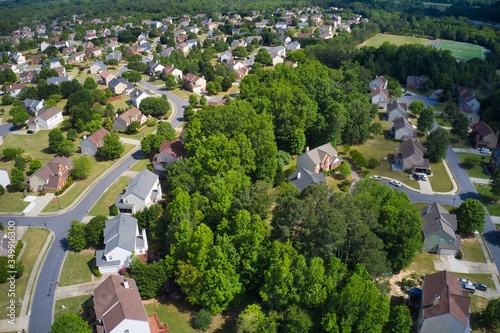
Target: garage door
108	269
447	252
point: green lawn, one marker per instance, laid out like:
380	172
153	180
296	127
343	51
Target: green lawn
440	180
34	239
68	197
488	199
176	317
380	39
107	200
473	164
424	263
140	165
472	250
443	120
462	51
181	93
77	268
73	304
475	278
145	130
36	144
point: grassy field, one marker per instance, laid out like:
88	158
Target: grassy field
440	180
473	165
77	188
140	165
462	51
488	199
472	250
73	304
77	268
34	239
380	39
107	200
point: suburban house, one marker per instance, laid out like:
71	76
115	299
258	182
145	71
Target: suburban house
472	116
194	83
439	230
92	143
416	82
466	96
14	89
379	95
378	82
46	119
410	156
171	70
318	159
170	151
117	55
4	178
154	67
93	52
396	110
76	57
122	121
97	67
303	178
134	49
57	80
122	239
120	86
276	59
105	77
32	105
118	307
137	95
51	177
28	77
402	129
293	46
445	307
142	191
483	136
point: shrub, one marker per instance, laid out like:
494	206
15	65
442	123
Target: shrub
344	185
2	190
408	283
203	319
284	157
114	211
372	163
459	255
97	272
376	128
358	158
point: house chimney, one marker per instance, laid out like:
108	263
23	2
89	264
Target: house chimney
307	149
116	115
436	300
126	285
429	209
298	175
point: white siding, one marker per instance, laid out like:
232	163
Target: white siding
133	326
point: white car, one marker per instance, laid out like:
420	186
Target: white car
462	280
484	151
395	183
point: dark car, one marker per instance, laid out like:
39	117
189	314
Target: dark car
30	132
481	286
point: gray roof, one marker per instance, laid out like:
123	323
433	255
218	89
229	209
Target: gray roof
100	64
317	154
57	79
393	105
436	218
141	184
101	259
303	178
401	123
120	232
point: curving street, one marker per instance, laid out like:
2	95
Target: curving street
41	313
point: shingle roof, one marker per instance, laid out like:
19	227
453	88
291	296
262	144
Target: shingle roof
380	90
413	151
482	128
120	232
452	299
318	154
141	184
98	136
392	105
402	122
113	302
49	113
436	218
303	178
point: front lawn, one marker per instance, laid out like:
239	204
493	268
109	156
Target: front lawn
473	165
73	304
36	144
108	199
77	268
140	165
488	199
472	249
34	239
440	180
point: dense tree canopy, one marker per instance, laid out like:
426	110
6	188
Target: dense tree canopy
470	217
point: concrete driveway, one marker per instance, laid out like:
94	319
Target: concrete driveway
469	151
450	263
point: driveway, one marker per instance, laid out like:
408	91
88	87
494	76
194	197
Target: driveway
469	151
413	97
450	263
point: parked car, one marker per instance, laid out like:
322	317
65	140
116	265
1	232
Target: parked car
419	176
469	287
481	286
462	280
375	177
484	151
395	183
30	132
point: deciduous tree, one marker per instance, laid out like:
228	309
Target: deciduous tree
155	106
470	217
82	166
112	148
425	121
436	144
70	322
460	126
416	107
76	236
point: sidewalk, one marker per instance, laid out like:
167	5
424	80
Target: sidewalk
479	180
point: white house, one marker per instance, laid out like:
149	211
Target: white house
172	70
32	105
97	67
46	119
379	95
293	46
378	82
122	239
137	95
142	191
14	89
19	58
91	144
118	307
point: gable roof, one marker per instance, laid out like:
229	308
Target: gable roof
131	114
318	154
97	137
379	90
113	302
414	151
402	122
393	105
436	218
141	184
452	299
48	113
303	178
50	171
482	128
120	232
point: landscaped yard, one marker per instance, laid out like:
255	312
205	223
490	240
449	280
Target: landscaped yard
34	239
73	304
440	180
77	268
68	197
488	199
107	200
472	250
473	164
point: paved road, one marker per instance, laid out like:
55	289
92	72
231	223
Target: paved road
6	128
179	103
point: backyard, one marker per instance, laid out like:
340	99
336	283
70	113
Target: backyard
34	239
77	267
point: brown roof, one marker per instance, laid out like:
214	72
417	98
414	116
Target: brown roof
174	148
413	151
97	137
113	302
53	172
15	86
48	113
191	77
452	299
169	69
131	114
380	90
482	128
